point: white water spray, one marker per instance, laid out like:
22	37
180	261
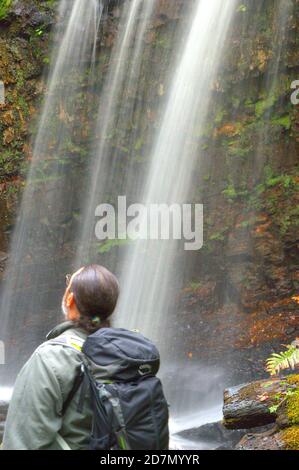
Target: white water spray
150	271
115	110
48	194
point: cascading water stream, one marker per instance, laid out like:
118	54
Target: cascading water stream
50	190
152	271
117	105
145	300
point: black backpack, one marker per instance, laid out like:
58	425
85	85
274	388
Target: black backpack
129	407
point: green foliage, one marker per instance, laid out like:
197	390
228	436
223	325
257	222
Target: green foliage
4	8
8	162
291	437
239	148
263	105
248	103
272	179
290	218
284	360
240	145
293	402
273	408
107	245
231	193
219	116
39	31
272	195
236	102
163	40
194	285
139	144
284	121
282	397
248	223
219	236
242	8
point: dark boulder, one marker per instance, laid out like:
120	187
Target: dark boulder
214	433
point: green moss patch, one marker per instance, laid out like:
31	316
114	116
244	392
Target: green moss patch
291	438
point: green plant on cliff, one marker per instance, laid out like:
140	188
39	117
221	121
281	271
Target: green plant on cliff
273	179
4	8
219	236
242	8
232	193
108	244
283	121
284	360
289	397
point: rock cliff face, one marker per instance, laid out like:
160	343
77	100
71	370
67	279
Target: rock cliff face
240	295
24	49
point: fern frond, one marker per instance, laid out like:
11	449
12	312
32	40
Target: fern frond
284	360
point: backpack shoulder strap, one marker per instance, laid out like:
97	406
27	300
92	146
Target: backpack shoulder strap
77	383
76	343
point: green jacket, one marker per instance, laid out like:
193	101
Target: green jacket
34	418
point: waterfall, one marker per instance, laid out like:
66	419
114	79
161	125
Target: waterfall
43	227
151	274
147	142
152	270
117	105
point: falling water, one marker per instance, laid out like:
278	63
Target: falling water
152	270
42	228
150	278
117	106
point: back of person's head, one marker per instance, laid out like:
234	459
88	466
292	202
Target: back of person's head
96	292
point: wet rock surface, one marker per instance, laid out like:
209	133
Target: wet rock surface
251	442
215	433
262	402
24	42
245	406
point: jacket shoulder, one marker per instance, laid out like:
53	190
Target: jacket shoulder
63	351
67	340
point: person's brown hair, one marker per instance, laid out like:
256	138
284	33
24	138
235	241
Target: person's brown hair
96	291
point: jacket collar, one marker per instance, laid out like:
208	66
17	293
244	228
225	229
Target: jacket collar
63	327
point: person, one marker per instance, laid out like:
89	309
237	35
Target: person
37	418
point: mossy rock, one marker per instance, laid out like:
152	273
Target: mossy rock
288	411
293	401
290	437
